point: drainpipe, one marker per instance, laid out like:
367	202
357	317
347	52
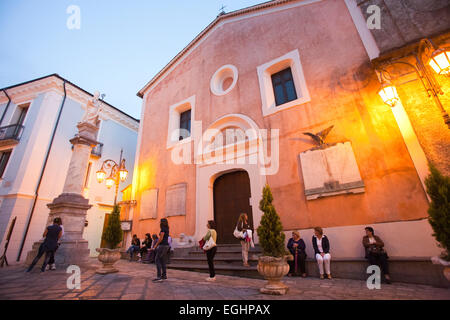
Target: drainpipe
42	174
7	106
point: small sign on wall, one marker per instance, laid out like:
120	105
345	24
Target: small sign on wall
330	171
126	225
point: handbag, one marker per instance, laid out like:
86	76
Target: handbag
238	234
209	244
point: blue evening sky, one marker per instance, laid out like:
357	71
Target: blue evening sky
120	46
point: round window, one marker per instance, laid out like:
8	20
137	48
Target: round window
224	80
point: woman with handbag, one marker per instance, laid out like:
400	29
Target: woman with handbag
210	248
297	247
375	252
242	229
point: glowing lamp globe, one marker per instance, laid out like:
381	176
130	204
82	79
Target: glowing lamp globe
123	173
440	62
388	94
109	182
101	175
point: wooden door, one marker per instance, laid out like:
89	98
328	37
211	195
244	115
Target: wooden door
231	198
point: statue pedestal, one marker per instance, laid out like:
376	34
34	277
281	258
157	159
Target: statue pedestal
72	209
71	206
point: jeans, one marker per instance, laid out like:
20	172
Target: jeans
48	254
161	260
210	257
379	260
52	257
132	250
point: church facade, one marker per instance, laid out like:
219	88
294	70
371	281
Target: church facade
284	94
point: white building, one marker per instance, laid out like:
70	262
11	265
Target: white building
38	118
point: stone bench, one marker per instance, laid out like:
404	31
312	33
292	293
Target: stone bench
419	270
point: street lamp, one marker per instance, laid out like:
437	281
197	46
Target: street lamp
388	94
437	59
117	174
440	62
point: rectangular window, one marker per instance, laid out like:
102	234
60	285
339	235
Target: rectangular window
185	123
283	87
20	114
4	158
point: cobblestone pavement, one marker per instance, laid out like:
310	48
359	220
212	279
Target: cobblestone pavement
133	282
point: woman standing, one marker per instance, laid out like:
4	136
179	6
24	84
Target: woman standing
321	247
297	247
243	226
212	251
161	251
375	252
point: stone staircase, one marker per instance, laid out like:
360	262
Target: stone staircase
228	261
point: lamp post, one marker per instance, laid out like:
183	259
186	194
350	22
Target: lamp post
118	173
437	59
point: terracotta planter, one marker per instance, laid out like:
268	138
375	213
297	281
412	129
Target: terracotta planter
446	264
108	257
273	270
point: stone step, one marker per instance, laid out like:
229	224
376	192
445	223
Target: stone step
226	250
219	260
221	269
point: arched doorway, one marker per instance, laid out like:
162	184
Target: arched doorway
231	198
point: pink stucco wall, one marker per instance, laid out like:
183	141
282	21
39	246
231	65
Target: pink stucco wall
343	91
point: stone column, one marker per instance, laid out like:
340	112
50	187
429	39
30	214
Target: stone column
71	206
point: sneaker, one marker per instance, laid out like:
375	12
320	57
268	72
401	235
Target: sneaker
211	279
47	267
164	277
157	280
53	267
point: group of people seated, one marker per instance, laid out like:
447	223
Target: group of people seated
145	250
373	245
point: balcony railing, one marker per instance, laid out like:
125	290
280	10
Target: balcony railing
97	150
11	132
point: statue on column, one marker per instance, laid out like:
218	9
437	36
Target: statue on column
93	109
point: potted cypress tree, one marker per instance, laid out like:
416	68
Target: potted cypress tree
112	235
438	188
272	265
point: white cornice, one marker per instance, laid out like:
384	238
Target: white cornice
30	90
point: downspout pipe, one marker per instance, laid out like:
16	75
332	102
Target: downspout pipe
42	173
7	106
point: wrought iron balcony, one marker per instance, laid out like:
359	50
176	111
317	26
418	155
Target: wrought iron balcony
10	135
97	150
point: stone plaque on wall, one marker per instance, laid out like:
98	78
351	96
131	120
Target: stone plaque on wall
330	171
176	200
149	204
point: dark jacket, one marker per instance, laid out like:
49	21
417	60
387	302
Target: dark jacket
136	242
325	245
51	239
300	249
379	244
